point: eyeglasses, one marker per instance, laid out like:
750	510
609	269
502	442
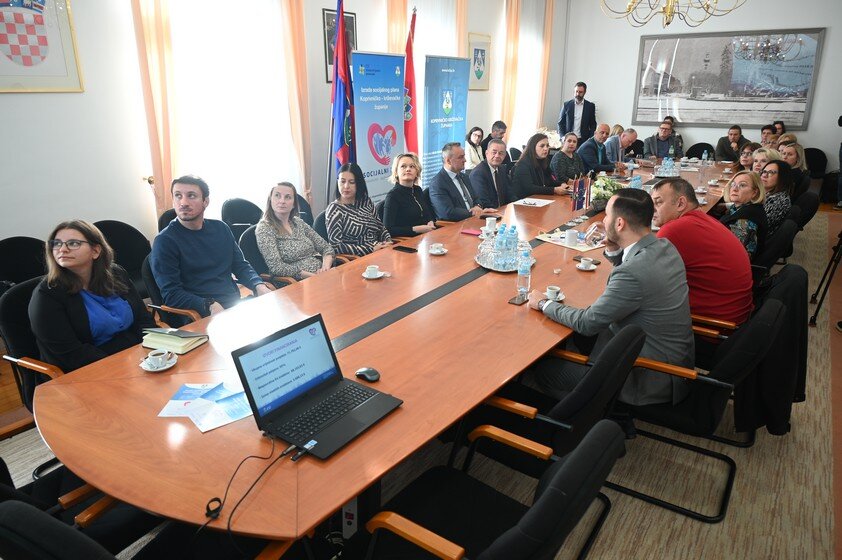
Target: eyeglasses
665	129
745	154
72	244
739	186
768	172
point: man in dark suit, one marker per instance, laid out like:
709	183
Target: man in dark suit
593	153
647	287
498	130
577	115
451	193
489	178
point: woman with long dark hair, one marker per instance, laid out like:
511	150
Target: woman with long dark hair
86	308
353	227
289	246
776	178
531	174
473	148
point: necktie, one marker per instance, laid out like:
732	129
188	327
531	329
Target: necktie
465	194
599	149
496	187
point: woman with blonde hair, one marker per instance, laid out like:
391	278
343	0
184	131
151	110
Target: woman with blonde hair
786	138
761	157
616	130
86	308
793	154
289	246
745	216
405	212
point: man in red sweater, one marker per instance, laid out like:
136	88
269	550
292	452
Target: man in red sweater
718	269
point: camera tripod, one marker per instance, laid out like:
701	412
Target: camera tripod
831	269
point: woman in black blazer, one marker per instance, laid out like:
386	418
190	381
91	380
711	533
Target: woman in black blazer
86	308
405	212
531	174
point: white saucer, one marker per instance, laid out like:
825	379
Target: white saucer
558	298
438	253
170	363
727	171
701	190
693	159
590	269
380	274
713	182
702	200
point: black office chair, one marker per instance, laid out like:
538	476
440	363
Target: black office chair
515	154
453	515
777	244
165	219
808	203
304	210
21	258
239	214
320	227
248	245
22	349
559	424
701	411
130	248
378	209
816	162
425	195
696	150
171	316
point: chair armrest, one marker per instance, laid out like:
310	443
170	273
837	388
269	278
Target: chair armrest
95	511
570	356
275	549
512	406
512	440
275	280
400	239
76	496
36	365
416	534
712	322
663	367
444	223
708	332
345	258
189	313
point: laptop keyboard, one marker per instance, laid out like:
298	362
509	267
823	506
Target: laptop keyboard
320	415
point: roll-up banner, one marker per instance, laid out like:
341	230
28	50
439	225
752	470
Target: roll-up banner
378	117
445	109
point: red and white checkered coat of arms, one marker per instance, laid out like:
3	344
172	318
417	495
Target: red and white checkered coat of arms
23	35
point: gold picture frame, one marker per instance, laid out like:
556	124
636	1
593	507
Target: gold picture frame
40	55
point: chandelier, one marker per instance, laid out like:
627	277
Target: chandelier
773	49
691	12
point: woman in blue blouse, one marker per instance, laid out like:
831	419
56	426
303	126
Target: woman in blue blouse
86	308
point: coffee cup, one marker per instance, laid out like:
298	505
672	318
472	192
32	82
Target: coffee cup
552	292
372	271
587	263
571	237
158	358
437	248
490	223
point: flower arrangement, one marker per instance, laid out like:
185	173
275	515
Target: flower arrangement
603	188
552	137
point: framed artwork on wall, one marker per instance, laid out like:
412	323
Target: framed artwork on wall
38	47
749	78
329	29
479	49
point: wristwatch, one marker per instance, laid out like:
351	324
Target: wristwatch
543	303
208	302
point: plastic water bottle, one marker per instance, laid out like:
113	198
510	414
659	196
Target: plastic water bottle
524	273
704	157
511	248
672	151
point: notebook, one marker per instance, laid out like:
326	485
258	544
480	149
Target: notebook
298	394
174	340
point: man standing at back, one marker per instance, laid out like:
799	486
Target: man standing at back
648	288
193	258
489	178
451	194
718	269
578	115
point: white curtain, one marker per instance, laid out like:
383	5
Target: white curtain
230	98
529	67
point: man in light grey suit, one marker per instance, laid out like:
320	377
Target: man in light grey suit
647	287
615	147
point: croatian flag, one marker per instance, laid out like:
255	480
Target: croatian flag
342	96
581	193
410	123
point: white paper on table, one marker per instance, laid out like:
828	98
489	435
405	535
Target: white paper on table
184	398
208	415
534	202
562	242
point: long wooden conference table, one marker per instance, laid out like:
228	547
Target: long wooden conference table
439	330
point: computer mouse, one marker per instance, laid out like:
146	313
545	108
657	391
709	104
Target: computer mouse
368	374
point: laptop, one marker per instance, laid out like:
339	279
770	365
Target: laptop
298	394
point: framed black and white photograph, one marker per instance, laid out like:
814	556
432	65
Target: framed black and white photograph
329	27
717	79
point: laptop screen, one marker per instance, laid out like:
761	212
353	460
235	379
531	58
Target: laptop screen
286	364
